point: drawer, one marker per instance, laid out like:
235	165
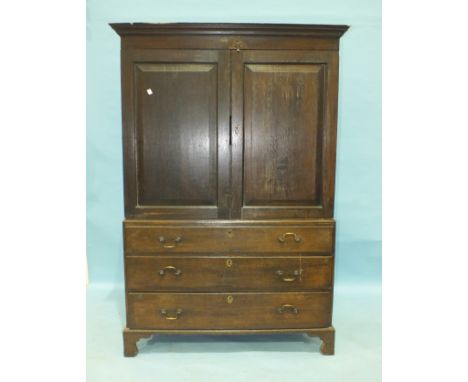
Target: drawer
229	310
149	239
196	273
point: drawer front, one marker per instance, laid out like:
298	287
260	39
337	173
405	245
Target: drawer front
228	310
181	273
280	239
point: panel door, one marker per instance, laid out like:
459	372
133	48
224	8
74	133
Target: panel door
284	133
176	133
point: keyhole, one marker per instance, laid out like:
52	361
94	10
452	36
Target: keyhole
230	299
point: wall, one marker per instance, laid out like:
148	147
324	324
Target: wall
358	187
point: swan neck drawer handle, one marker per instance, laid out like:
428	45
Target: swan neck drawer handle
288	308
175	271
282	238
174	316
287	279
174	243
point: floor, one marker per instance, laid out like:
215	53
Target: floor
291	357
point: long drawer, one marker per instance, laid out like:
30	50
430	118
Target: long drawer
240	273
228	310
147	238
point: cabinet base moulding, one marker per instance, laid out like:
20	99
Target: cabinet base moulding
132	336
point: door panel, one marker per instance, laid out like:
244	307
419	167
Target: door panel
176	114
282	115
283	108
177	133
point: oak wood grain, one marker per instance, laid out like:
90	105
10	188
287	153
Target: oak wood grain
176	131
228	310
149	239
132	336
228	273
229	142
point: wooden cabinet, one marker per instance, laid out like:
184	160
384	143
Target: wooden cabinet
229	138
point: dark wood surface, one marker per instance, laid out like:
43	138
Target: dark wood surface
282	115
131	337
192	151
229	139
176	127
230	36
283	106
176	138
228	310
148	239
227	273
286	105
295	30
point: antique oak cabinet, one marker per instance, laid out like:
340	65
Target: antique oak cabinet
229	139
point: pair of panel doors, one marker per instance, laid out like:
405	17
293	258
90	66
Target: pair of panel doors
226	134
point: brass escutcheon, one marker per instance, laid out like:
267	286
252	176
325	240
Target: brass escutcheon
230	299
230	234
236	45
228	263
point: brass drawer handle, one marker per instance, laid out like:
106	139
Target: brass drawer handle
167	315
288	308
287	279
174	270
162	240
282	238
